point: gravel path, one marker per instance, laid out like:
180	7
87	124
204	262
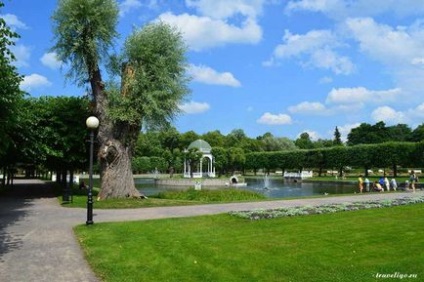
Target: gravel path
37	242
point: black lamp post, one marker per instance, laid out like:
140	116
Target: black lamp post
92	123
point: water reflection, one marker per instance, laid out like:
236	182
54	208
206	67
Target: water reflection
280	188
273	188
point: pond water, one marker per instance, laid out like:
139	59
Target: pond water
275	187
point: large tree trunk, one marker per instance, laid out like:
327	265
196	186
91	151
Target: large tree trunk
116	174
115	150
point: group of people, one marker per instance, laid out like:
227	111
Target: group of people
384	184
378	185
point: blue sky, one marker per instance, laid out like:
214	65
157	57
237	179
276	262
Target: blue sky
284	67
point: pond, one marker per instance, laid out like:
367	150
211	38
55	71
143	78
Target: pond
275	187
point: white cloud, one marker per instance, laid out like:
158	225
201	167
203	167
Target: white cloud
388	115
391	46
361	95
330	60
13	21
295	44
419	110
224	9
208	75
22	54
193	107
203	32
313	5
33	81
50	60
341	9
308	108
127	6
314	49
400	49
325	80
271	119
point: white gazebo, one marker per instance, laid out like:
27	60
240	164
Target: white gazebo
206	167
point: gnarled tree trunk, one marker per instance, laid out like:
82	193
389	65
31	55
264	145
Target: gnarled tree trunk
114	155
116	178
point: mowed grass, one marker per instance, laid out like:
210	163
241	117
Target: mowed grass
169	198
345	246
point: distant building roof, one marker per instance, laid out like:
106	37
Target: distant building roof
201	145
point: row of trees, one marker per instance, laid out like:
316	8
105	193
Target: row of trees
389	155
51	135
10	96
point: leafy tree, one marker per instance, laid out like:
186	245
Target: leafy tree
169	139
255	161
10	95
235	138
398	133
368	134
338	158
173	160
236	159
141	164
337	137
193	157
323	143
271	143
220	160
57	141
304	141
214	138
152	77
417	135
186	139
148	144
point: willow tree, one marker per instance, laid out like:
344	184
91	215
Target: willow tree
151	81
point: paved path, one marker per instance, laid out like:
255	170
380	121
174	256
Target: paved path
37	243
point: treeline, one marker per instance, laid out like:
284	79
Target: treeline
164	151
389	155
49	134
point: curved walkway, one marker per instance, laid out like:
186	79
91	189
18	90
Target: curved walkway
37	242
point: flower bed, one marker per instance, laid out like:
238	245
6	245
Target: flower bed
258	214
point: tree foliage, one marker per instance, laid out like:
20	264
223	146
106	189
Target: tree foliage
378	133
153	79
10	94
84	31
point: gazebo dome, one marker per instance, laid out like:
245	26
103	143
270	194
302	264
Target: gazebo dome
201	145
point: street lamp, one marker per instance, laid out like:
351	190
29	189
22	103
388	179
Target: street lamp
92	123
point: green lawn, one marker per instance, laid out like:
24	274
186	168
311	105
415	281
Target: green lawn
345	246
168	198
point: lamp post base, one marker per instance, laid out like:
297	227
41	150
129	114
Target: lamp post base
89	209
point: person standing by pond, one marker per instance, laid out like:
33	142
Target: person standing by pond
393	183
413	179
367	184
360	183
